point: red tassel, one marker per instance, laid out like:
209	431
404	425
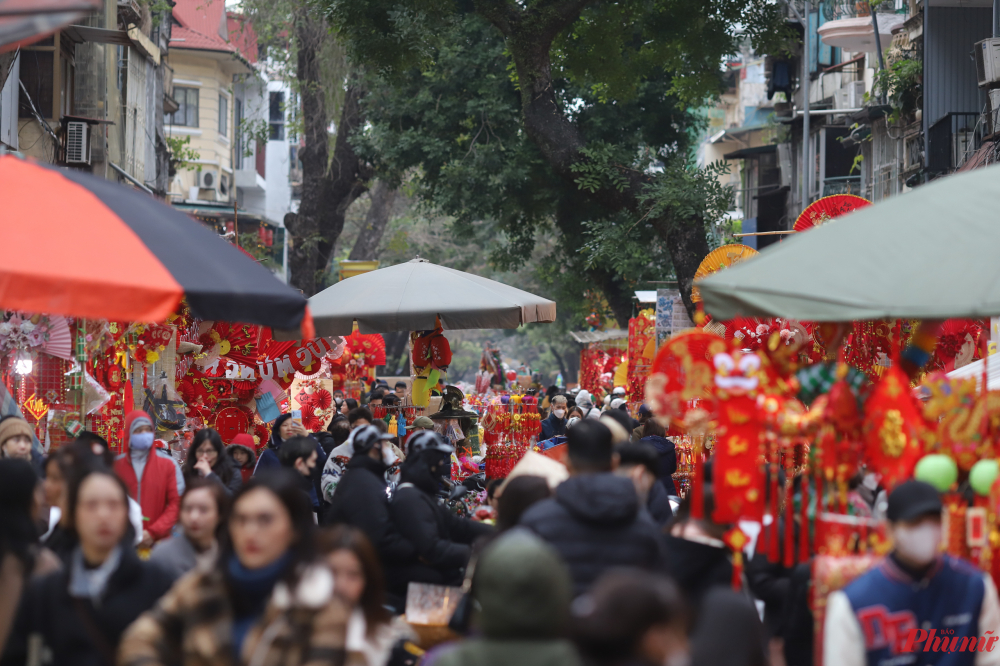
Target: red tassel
697	492
737	581
804	520
789	531
773	554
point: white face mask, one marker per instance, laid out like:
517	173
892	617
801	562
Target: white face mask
572	421
919	544
559	413
870	481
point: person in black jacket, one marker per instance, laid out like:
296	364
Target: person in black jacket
653	433
555	423
638	462
442	539
595	520
81	611
207	459
361	500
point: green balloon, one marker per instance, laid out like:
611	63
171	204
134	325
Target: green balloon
982	475
938	470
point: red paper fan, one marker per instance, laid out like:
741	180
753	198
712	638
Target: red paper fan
372	346
825	209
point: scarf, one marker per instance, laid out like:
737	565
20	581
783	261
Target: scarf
252	589
87	583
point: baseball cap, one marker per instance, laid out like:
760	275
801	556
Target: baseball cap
423	422
912	499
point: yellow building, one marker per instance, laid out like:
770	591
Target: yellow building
209	52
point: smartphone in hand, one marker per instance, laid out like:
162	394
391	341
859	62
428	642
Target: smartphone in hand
297	417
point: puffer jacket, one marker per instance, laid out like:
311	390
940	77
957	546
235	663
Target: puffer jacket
247	470
442	540
192	626
667	461
596	523
361	502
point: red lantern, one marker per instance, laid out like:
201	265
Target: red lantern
511	375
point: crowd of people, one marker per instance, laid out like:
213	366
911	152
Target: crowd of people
303	554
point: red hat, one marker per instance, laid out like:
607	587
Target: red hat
244	439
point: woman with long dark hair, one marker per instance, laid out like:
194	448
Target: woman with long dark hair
204	509
359	580
207	459
20	555
267	601
80	612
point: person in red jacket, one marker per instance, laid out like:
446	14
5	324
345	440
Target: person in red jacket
151	479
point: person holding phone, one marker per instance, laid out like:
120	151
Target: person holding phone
285	427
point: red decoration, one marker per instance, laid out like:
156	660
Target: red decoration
894	428
230	422
825	209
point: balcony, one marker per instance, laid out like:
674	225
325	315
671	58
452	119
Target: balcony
842	185
952	139
849	25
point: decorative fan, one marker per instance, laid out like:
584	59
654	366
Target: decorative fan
718	259
372	346
825	209
60	341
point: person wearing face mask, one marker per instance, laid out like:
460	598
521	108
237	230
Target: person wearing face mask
555	424
151	479
916	588
442	540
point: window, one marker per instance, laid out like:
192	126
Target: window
223	116
47	72
276	116
186	114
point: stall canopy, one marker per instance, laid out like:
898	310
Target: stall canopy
410	296
86	247
931	253
975	370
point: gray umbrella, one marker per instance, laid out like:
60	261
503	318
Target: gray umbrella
410	296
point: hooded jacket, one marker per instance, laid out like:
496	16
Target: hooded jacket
523	591
246	471
157	494
595	523
269	456
361	502
667	461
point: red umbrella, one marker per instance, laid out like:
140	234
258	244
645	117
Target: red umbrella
87	247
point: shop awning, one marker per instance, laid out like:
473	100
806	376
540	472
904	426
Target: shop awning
929	253
586	337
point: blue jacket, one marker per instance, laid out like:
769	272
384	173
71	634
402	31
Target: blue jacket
551	427
891	606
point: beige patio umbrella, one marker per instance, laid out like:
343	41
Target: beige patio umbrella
414	295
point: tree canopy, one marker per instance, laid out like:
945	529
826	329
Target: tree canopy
577	116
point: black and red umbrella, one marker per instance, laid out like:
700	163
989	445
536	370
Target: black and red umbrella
78	245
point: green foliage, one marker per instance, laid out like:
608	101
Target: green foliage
251	243
181	153
254	131
901	83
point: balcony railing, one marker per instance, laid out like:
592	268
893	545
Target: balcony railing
842	185
951	139
842	9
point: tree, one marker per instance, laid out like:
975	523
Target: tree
382	198
305	53
575	113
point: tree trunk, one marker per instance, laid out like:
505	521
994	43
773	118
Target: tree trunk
328	189
529	34
559	361
366	247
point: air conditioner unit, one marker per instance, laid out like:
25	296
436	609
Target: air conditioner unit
224	186
987	54
850	96
77	142
208	180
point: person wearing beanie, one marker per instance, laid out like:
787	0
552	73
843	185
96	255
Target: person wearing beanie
523	593
917	600
16	437
241	450
151	479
